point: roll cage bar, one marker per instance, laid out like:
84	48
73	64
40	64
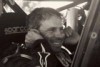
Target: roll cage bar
17	9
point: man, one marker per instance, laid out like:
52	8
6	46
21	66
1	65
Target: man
45	41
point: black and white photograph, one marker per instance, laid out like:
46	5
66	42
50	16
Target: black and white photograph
49	33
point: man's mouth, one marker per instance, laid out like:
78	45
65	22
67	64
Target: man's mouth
57	43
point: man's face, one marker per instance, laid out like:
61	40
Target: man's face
52	31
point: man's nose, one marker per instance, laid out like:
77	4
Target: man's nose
59	34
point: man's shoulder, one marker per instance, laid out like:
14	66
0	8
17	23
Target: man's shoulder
22	60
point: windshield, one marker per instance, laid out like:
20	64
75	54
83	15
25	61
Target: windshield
28	6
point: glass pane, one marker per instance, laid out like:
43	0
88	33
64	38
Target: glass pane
28	6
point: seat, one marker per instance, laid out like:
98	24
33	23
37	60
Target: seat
12	30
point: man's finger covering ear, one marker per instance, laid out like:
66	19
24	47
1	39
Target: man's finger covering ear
68	31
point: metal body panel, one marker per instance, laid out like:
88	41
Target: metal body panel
89	36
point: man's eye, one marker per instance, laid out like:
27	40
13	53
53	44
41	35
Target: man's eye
52	29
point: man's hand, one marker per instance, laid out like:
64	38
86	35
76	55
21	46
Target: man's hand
32	36
72	37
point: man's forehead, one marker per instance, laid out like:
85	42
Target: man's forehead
52	21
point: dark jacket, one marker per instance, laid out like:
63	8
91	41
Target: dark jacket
39	54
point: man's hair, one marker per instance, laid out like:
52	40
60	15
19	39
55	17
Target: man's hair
39	14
